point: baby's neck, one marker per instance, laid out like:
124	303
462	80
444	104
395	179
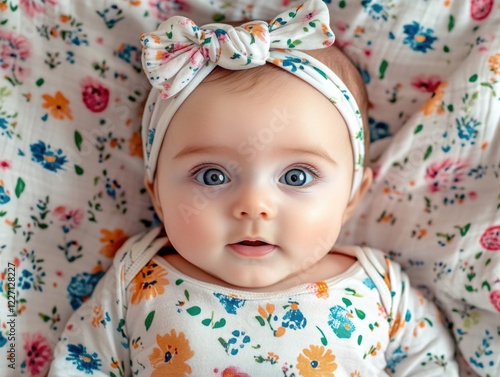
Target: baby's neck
332	265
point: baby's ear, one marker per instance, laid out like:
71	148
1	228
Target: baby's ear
152	190
358	195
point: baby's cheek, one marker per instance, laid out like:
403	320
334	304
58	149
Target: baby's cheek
192	226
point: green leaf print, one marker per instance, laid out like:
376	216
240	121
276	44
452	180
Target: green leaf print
463	230
78	170
78	140
194	310
223	343
20	185
206	322
419	128
220	323
451	23
347	302
382	69
261	320
361	314
324	341
428	152
149	320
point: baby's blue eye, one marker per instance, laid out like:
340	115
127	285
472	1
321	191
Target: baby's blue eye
296	177
212	177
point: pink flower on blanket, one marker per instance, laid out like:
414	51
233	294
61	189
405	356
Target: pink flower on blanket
163	9
495	299
445	174
33	7
490	239
38	353
70	217
15	49
95	95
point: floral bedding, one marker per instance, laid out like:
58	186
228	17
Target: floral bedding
71	171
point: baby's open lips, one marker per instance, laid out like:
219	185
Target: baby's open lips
252	247
252	243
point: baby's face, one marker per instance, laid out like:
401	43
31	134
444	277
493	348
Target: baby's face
253	187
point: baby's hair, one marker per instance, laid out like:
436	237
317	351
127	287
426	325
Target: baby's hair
332	57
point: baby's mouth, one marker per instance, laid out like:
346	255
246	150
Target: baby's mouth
252	243
250	248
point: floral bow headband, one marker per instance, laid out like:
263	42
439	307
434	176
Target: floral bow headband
179	55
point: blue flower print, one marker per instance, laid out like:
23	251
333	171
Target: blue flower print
340	322
369	283
81	286
467	128
111	187
3	340
291	62
49	159
293	318
26	279
238	341
151	137
375	10
418	37
397	356
132	55
231	304
4	198
3	123
85	361
378	130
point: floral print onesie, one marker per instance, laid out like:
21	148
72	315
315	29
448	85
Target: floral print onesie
146	318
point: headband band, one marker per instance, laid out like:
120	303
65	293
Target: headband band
180	54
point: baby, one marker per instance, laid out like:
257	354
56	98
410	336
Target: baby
254	153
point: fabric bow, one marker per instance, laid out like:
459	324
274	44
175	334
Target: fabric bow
175	53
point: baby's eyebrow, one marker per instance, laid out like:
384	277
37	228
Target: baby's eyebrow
318	152
203	149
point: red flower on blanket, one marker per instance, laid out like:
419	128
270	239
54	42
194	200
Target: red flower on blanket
490	239
95	95
445	174
480	9
233	372
495	299
426	84
37	351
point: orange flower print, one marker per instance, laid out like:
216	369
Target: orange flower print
112	240
135	145
58	106
171	355
257	30
97	315
149	283
397	325
316	361
320	289
433	103
494	63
